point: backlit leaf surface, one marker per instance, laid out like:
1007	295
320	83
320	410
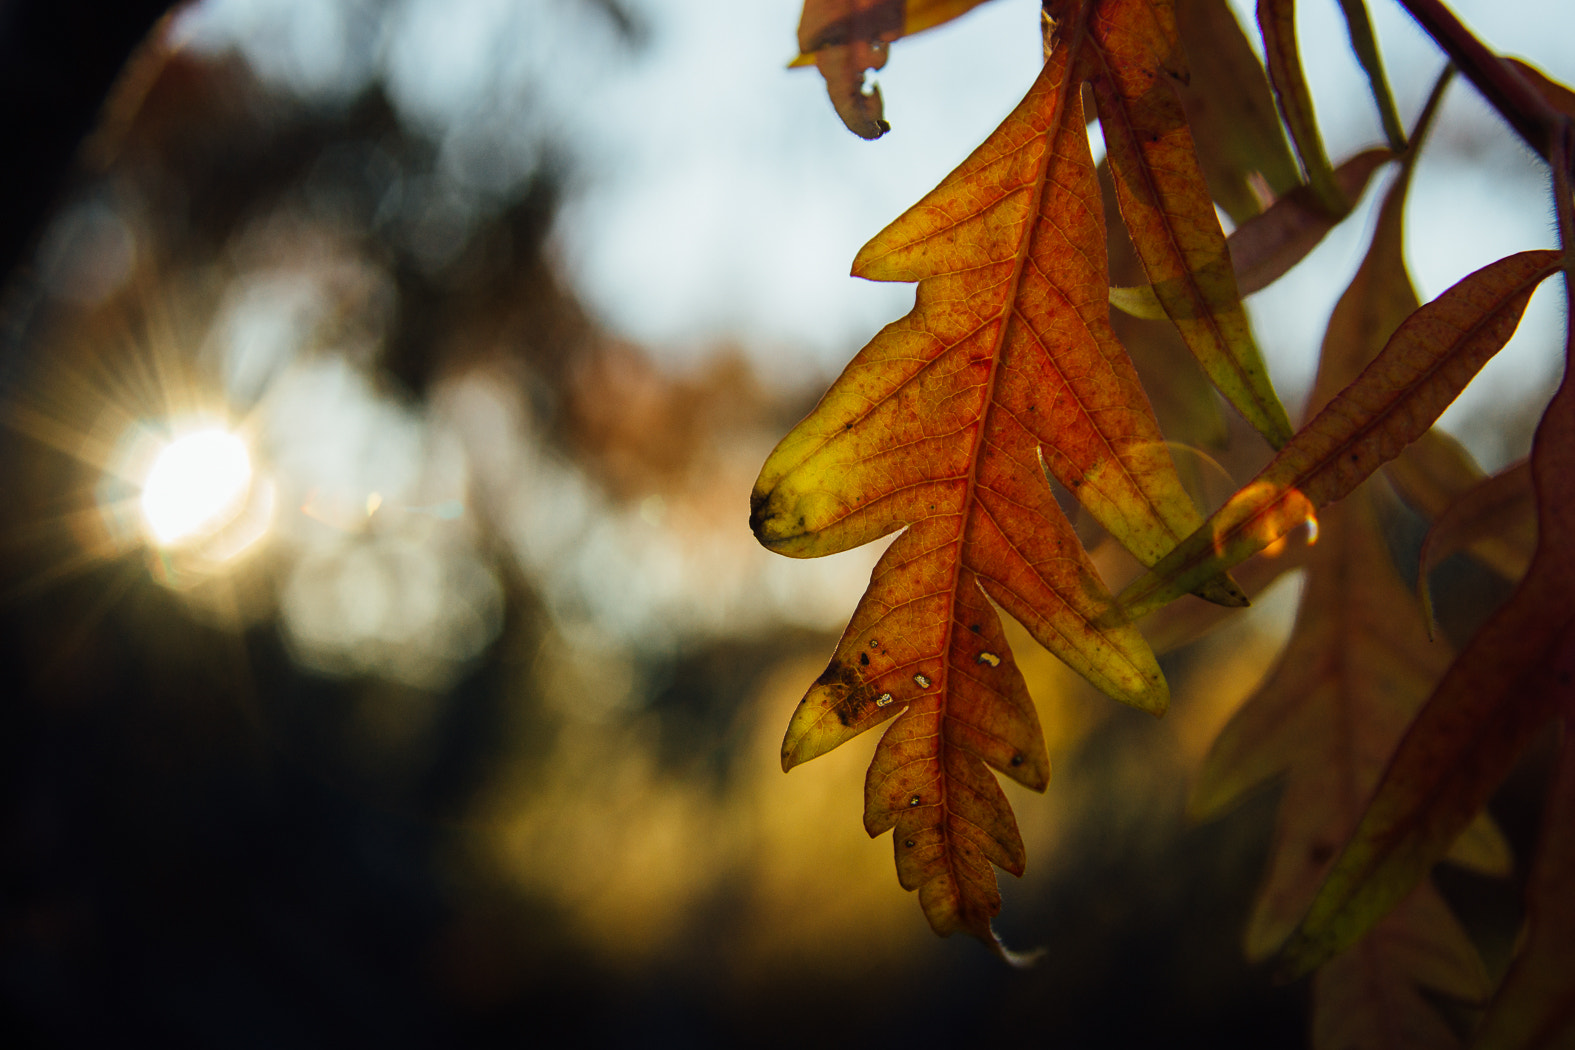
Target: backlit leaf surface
1265	247
945	426
1132	56
1425	365
844	38
1231	110
1277	21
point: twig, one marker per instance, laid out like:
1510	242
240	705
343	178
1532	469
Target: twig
1506	91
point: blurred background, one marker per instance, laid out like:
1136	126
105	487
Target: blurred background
386	655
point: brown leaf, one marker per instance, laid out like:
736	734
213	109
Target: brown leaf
845	38
1535	1006
1557	95
1370	998
1358	666
1428	361
1277	21
1513	676
1231	111
1264	249
1495	520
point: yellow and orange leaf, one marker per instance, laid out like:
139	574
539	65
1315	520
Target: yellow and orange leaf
1265	247
945	427
1130	51
1425	365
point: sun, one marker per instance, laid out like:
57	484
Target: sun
196	485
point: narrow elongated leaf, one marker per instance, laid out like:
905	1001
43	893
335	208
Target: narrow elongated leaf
1516	672
1425	365
944	426
1535	1006
1132	54
1365	44
845	38
1231	111
1264	248
1495	520
1357	668
1277	21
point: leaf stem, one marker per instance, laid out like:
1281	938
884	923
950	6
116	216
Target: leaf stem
1506	91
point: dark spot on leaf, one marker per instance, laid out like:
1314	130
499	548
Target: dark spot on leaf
852	698
1077	483
915	800
975	628
1017	759
1320	852
908	843
864	659
847	426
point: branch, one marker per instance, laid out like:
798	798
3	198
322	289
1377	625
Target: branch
1506	91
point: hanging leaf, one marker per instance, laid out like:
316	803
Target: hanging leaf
1365	44
1231	111
945	426
1357	667
1264	248
1277	22
847	38
1515	673
1131	53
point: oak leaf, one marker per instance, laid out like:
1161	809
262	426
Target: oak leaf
945	426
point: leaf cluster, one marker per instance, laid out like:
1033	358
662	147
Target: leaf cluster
954	424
